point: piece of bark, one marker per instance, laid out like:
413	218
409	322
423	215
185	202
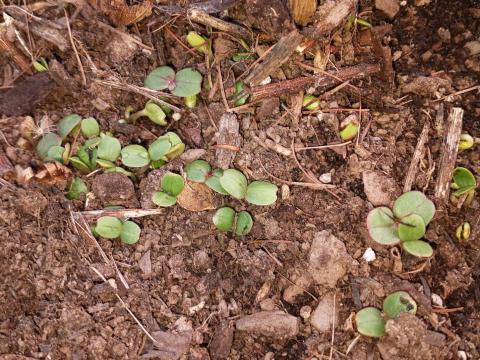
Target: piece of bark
228	128
280	53
21	99
302	10
383	52
417	156
203	18
449	154
16	55
301	83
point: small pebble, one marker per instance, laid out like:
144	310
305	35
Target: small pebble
305	312
176	116
326	178
266	81
437	300
369	255
285	192
462	355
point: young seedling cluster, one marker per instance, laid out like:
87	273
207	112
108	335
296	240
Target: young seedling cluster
371	322
464	184
171	186
110	227
226	219
405	224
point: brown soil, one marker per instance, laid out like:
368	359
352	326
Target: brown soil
184	277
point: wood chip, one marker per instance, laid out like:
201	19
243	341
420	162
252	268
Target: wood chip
228	129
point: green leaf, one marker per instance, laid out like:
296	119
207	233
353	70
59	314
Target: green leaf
83	155
46	142
370	322
381	226
213	182
163	199
172	183
92	143
198	170
464	181
157	164
159	148
244	223
349	131
261	193
109	148
161	78
121	171
188	83
239	86
224	218
90	127
79	164
56	153
105	164
414	202
175	151
130	232
399	302
412	227
155	113
190	101
135	156
418	248
76	187
242	56
108	227
311	103
68	124
234	183
198	42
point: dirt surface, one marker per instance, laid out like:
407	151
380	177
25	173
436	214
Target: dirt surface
272	294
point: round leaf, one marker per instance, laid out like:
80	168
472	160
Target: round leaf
464	180
224	218
135	156
46	143
56	153
76	187
108	227
159	148
188	83
109	148
163	199
412	227
172	183
381	226
130	232
398	302
161	78
155	113
173	138
67	124
370	322
244	223
414	202
198	170
90	127
213	182
234	183
261	193
418	248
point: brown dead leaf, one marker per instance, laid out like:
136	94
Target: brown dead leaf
196	197
52	173
120	13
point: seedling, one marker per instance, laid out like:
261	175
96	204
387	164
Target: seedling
171	185
85	159
46	142
76	188
406	224
311	103
68	124
109	148
466	142
463	182
40	65
191	101
201	171
349	128
240	99
186	82
234	183
90	127
165	148
261	193
462	233
153	111
371	322
110	227
225	219
198	42
135	156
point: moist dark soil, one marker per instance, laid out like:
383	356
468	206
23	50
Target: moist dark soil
184	277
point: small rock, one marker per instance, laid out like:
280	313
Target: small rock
222	341
172	345
444	34
145	264
380	189
305	311
388	7
114	189
120	48
300	284
326	314
269	323
285	191
267	304
268	108
329	260
198	353
32	202
472	47
437	300
326	178
228	135
201	260
426	86
369	255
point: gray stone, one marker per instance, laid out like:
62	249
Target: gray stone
269	323
326	313
381	190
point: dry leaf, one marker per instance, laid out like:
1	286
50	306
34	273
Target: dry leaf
120	13
52	173
196	197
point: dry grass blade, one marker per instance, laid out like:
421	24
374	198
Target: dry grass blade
120	213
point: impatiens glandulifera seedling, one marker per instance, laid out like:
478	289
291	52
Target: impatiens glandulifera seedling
370	322
186	82
172	184
462	232
234	183
153	111
240	99
68	124
349	128
226	219
40	65
466	142
399	302
201	171
109	148
261	193
406	223
167	147
76	188
198	42
56	153
135	156
463	181
213	182
110	227
90	127
85	159
46	142
311	103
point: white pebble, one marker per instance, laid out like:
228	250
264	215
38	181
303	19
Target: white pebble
369	255
462	355
326	178
176	116
437	300
266	81
305	311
